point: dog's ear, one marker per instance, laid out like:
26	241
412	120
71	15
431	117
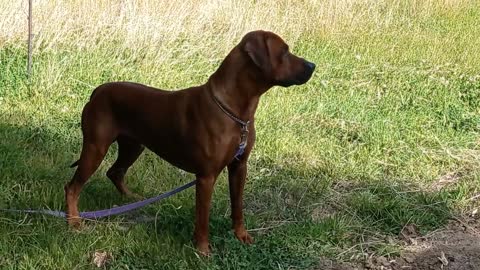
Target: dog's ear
257	49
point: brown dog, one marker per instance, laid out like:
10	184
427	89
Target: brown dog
201	129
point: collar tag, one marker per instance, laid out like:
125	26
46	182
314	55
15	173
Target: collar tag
243	141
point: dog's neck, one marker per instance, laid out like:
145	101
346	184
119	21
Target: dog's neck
236	87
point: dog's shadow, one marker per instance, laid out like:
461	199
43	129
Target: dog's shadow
35	164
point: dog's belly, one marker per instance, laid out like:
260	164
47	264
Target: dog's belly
182	152
175	155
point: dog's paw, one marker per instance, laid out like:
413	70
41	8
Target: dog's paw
204	249
75	223
243	236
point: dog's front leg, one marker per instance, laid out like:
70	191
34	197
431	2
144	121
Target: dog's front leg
203	198
237	172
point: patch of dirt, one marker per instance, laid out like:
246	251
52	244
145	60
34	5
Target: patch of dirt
455	247
328	264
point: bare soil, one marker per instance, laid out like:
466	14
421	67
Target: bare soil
455	247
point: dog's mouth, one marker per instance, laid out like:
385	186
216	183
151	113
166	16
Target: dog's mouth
299	80
287	83
302	77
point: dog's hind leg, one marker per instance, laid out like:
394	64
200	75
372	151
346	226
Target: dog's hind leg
128	151
91	157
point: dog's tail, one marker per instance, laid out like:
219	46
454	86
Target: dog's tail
74	164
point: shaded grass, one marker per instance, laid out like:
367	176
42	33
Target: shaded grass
341	164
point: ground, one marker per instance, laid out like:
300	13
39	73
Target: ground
375	162
455	247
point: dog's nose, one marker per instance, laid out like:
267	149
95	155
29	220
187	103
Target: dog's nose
310	65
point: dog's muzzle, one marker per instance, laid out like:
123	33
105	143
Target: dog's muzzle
302	77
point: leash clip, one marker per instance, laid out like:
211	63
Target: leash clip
243	141
244	133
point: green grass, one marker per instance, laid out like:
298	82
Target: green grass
341	164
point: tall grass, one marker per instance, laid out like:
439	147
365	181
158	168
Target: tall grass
156	26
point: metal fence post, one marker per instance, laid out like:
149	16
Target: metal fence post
29	63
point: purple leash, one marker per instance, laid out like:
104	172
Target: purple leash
111	211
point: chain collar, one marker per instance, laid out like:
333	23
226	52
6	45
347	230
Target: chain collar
243	124
222	107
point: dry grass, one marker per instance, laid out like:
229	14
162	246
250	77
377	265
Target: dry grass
155	25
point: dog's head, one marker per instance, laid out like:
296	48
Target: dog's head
271	56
